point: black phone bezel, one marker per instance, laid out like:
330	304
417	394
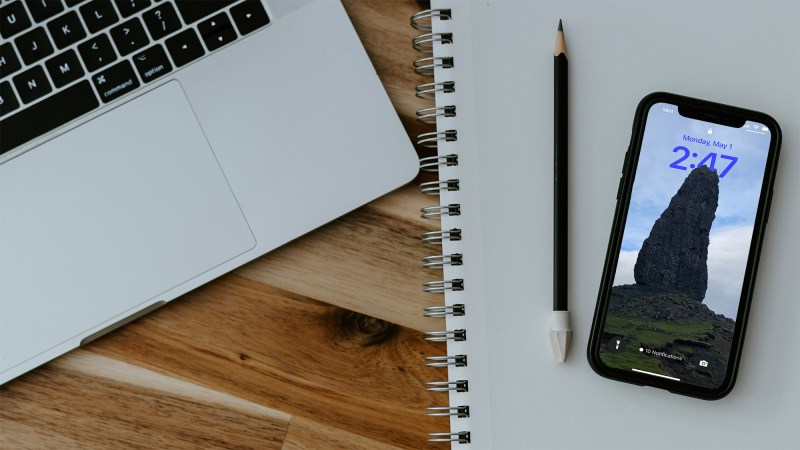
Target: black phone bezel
711	112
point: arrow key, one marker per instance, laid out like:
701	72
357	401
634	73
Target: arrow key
184	47
249	16
216	31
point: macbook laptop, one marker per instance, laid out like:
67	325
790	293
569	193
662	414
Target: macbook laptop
147	147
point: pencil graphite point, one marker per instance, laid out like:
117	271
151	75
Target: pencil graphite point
561	43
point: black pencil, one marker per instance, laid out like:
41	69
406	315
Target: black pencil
560	165
560	330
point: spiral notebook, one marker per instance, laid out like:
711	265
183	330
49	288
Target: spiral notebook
491	123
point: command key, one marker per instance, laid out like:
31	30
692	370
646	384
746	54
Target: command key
115	81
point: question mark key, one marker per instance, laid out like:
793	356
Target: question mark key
161	21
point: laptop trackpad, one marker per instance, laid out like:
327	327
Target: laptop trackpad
108	216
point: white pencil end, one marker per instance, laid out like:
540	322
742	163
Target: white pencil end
560	335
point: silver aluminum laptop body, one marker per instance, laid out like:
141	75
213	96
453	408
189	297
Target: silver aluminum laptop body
188	177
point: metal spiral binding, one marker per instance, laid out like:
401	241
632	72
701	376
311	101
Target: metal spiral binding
434	187
438	236
444	336
446	361
428	116
427	66
425	43
446	386
462	437
432	138
439	261
443	285
435	212
427	91
458	411
422	20
432	163
456	310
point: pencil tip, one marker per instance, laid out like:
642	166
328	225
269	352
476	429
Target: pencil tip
561	45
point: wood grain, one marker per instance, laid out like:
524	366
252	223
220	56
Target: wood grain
289	353
375	249
307	435
314	346
89	401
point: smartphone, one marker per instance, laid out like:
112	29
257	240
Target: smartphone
692	206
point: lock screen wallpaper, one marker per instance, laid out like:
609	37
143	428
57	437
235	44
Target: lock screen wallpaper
684	249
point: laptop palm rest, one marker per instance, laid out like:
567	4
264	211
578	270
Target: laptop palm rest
107	218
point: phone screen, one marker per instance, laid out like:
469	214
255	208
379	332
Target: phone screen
684	252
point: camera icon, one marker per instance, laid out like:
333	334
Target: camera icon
703	363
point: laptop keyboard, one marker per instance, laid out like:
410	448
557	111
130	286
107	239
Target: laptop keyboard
60	59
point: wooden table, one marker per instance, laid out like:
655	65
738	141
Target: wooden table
317	345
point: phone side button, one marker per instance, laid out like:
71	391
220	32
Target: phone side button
619	189
625	163
769	204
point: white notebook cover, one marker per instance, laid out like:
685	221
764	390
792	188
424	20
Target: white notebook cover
742	53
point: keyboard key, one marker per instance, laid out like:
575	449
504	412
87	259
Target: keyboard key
47	115
74	2
8	101
184	47
42	10
97	52
130	7
115	81
98	14
9	63
216	31
249	16
66	30
34	45
194	10
152	63
13	19
64	68
129	37
32	84
161	21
